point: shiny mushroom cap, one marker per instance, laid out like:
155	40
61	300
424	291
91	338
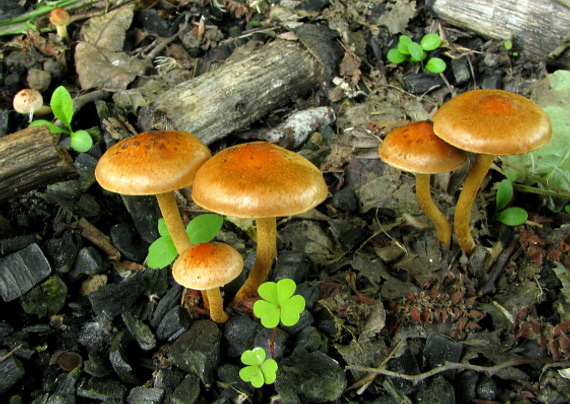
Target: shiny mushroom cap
59	16
258	180
152	163
415	148
494	122
27	100
207	266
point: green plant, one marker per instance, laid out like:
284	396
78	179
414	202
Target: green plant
278	303
410	51
508	44
201	229
62	106
510	216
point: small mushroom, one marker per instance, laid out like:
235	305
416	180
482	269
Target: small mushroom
262	181
30	102
488	123
207	267
155	163
60	18
415	148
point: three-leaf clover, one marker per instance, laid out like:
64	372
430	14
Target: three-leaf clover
408	50
278	303
511	216
61	104
258	370
201	229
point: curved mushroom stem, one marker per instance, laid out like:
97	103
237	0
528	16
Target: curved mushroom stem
266	253
173	220
431	210
472	183
217	313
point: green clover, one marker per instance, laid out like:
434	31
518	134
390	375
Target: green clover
277	303
258	370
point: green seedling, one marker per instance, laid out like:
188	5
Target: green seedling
508	44
413	52
201	229
510	216
278	303
62	107
259	371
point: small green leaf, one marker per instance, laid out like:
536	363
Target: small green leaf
259	370
161	253
255	356
163	228
285	289
278	303
416	52
268	291
430	42
269	370
81	141
291	311
62	105
204	228
513	216
268	313
508	45
52	127
504	194
436	65
403	44
395	56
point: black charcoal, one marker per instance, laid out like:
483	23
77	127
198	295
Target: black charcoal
187	391
47	298
11	371
120	361
291	265
61	252
173	324
145	395
113	299
140	331
239	335
168	301
101	389
129	243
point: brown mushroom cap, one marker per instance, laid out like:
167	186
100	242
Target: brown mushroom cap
207	266
152	163
59	16
415	148
258	180
494	122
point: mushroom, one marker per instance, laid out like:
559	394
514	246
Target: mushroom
488	123
207	267
30	102
155	163
262	181
60	18
415	148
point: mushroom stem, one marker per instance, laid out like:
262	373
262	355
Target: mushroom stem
265	254
471	186
173	220
217	313
431	210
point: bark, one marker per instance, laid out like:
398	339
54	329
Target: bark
30	159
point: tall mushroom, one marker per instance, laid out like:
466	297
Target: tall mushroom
155	163
488	123
60	18
415	148
207	267
262	181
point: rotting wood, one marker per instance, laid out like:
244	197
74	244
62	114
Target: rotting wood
30	159
238	93
537	27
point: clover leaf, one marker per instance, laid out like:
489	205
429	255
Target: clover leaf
278	303
510	216
258	370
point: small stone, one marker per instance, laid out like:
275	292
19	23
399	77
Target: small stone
439	350
239	335
437	391
187	391
101	389
88	262
311	340
353	238
11	371
420	83
486	388
460	69
291	265
129	243
113	299
38	79
21	271
145	395
493	82
173	324
265	336
46	299
138	329
345	200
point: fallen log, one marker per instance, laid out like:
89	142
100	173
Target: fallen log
30	159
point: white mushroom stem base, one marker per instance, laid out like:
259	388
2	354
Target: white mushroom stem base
171	215
216	303
473	182
265	254
431	210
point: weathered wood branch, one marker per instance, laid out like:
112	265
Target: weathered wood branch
536	26
30	159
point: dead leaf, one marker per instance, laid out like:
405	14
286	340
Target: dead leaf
397	18
109	30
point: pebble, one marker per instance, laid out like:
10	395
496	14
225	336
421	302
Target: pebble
239	335
345	200
439	350
438	391
291	265
187	391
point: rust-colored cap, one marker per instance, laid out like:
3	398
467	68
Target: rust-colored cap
59	16
494	122
257	180
207	266
152	163
415	148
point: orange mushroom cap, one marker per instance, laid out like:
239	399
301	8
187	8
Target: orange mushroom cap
59	16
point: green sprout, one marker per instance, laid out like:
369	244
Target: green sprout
277	303
410	51
259	370
508	44
510	216
201	229
62	106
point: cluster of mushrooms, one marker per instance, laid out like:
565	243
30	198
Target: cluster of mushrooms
484	122
255	180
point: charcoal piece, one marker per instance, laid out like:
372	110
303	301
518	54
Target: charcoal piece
404	364
168	379
21	271
264	338
173	324
120	360
46	299
61	252
439	349
229	374
145	395
95	335
198	350
145	214
129	243
11	372
353	238
101	389
142	333
5	330
239	335
10	245
187	391
98	364
88	262
492	82
310	293
157	282
345	200
420	83
306	319
465	386
311	340
486	388
291	265
168	301
437	391
65	388
113	299
460	69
